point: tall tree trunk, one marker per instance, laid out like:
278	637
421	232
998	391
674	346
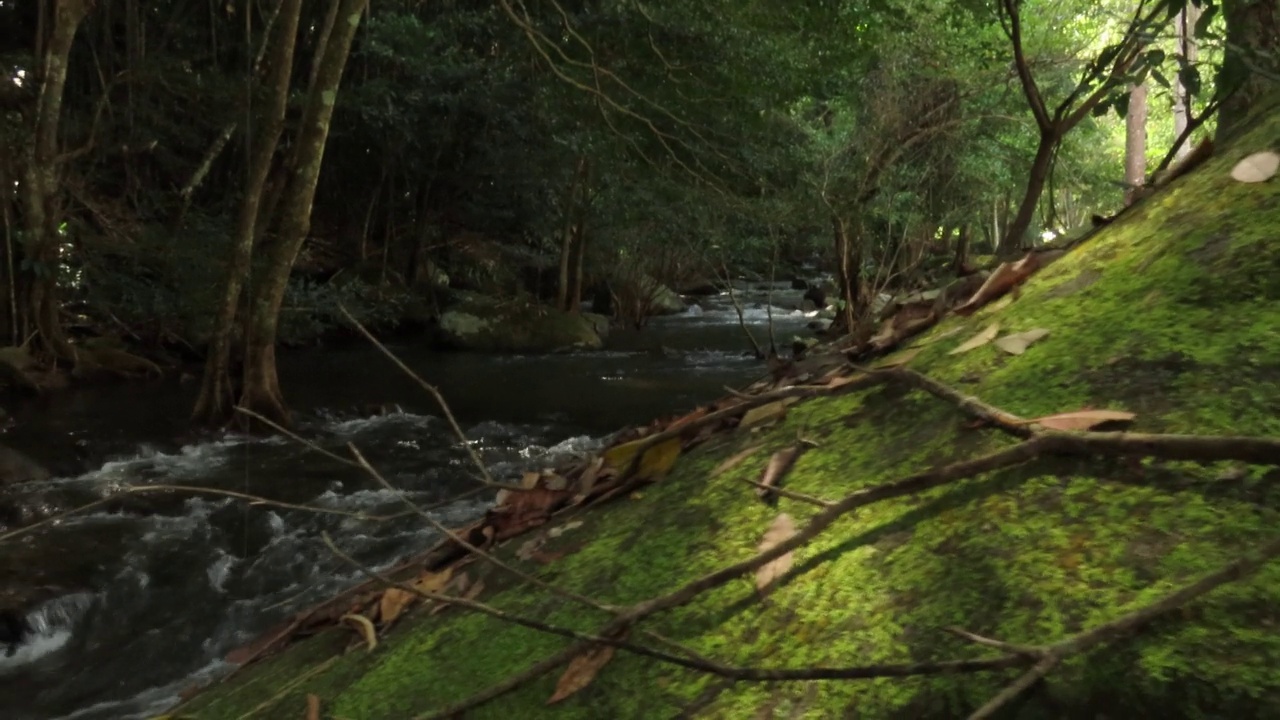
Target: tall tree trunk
960	261
847	274
261	389
1135	142
214	405
1185	26
1016	229
40	188
571	202
1253	44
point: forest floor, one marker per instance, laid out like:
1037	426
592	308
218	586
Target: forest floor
1062	504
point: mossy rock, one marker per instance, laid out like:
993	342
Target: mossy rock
1179	323
482	324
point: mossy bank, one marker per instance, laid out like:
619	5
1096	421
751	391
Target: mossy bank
1172	312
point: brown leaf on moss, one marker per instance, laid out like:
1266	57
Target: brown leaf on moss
313	706
582	670
764	413
841	381
898	360
734	460
1083	419
783	527
524	509
978	340
1017	343
779	465
1004	279
656	461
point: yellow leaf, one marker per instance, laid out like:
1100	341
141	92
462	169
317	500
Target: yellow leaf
978	340
656	461
364	626
901	359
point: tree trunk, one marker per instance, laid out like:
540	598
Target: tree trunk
960	262
1135	142
40	188
571	202
845	272
261	392
214	405
1185	25
1253	44
1016	230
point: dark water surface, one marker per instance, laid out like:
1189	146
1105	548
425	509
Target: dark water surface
162	587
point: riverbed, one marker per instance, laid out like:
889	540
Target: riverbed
153	591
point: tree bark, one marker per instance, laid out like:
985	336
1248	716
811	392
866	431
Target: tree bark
1135	142
1253	46
261	391
40	188
1185	25
1036	179
214	404
571	201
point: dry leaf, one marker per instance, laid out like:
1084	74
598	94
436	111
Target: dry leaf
313	706
1017	343
393	603
657	460
900	359
529	547
364	626
558	531
764	413
587	480
1083	419
547	557
779	465
978	340
581	671
1005	278
429	582
1258	167
529	480
734	460
783	528
552	481
839	382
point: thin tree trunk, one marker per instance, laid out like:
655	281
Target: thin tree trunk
844	271
214	405
1135	142
567	235
960	262
261	392
1016	229
1185	25
39	191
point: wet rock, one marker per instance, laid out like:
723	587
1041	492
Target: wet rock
699	288
18	468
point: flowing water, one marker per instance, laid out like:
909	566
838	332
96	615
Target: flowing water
152	590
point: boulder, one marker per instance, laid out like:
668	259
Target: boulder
666	301
481	324
18	468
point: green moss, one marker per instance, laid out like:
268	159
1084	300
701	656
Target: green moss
1172	312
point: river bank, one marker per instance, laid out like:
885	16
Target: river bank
173	582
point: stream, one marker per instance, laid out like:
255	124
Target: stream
153	590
